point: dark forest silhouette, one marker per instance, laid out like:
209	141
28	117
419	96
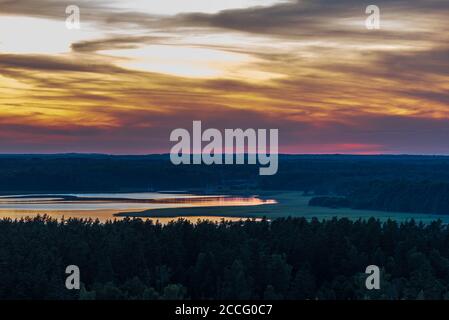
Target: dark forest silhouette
285	259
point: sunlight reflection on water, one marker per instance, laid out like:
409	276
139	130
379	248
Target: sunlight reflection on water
103	206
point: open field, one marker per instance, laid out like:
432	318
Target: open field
290	203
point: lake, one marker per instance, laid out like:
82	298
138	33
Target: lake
104	206
293	204
166	207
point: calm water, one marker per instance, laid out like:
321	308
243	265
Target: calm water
103	206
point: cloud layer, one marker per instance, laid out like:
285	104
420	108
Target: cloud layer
307	67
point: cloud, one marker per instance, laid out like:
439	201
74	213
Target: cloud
54	63
119	42
320	18
341	87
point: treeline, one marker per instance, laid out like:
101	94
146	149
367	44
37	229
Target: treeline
396	195
284	259
337	174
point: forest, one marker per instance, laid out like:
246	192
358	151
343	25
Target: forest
288	258
396	196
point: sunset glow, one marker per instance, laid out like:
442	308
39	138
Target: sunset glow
134	72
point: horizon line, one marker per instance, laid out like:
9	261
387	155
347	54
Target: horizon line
246	153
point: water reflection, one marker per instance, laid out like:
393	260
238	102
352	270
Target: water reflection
103	206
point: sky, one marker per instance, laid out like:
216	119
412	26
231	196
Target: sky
136	70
